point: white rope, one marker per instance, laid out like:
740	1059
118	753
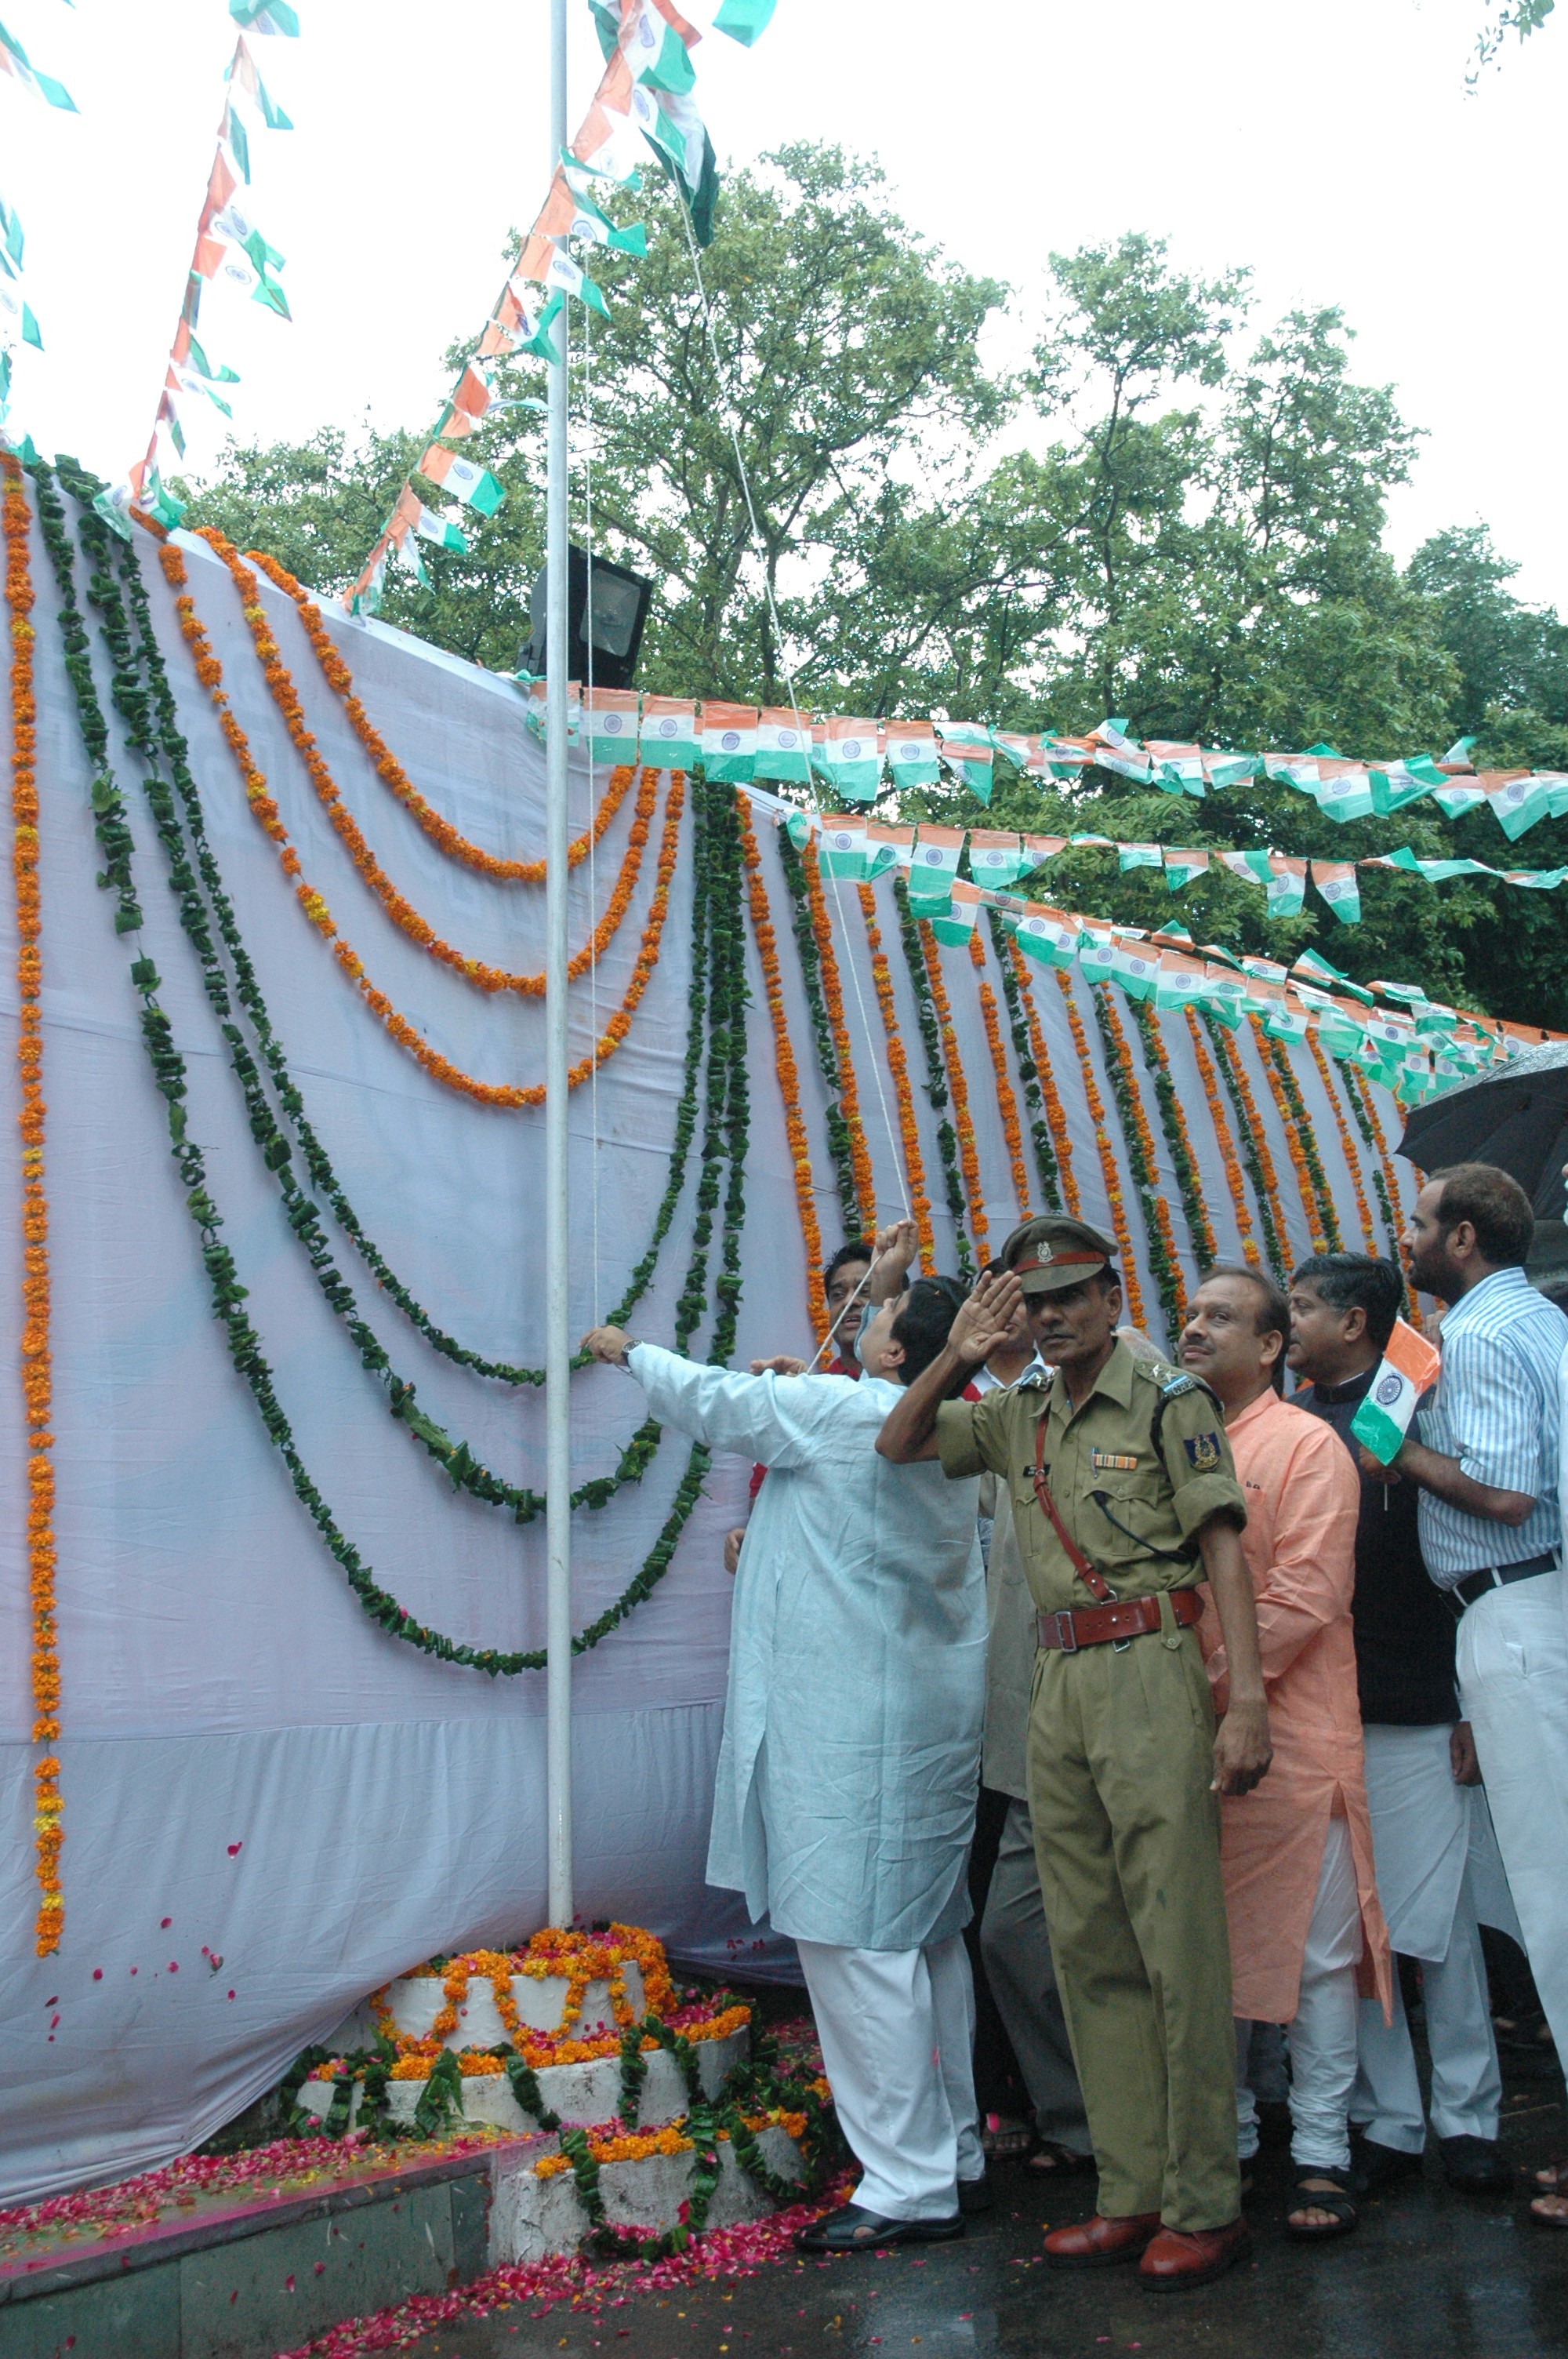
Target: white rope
836	882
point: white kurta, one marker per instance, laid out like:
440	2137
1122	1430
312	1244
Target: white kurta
845	1797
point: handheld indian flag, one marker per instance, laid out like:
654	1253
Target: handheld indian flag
934	868
958	923
782	743
850	759
911	754
730	741
670	731
464	479
1046	935
1338	882
609	716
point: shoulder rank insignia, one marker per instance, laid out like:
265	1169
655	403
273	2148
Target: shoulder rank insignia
1111	1461
1175	1384
1203	1451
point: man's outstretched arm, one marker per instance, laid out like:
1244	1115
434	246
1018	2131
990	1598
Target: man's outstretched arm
981	1326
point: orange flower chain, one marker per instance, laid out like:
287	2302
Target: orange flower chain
1007	1103
1353	1161
1234	1179
400	911
1054	1115
1310	1205
1390	1176
1154	1199
958	1090
391	772
833	999
38	1387
1259	1138
1204	1248
788	1072
269	818
1111	1176
898	1066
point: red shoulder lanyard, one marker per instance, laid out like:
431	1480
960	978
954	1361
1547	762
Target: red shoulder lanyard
1093	1579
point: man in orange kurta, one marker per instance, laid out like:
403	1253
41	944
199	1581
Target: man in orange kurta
1307	1936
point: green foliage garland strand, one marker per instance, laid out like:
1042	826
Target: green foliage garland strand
1028	1071
1354	1084
1199	1226
1274	1247
1167	1277
821	1031
936	1075
1322	1194
229	1297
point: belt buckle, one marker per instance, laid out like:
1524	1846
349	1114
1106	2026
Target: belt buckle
1066	1636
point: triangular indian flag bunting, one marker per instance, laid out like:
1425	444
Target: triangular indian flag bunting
242	69
562	274
1046	935
728	741
783	740
956	923
670	737
463	480
1519	803
1403	1374
911	755
656	49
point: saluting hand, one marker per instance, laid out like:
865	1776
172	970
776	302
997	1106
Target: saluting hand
985	1319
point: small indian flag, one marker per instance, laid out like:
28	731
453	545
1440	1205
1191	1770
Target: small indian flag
1178	769
1231	769
1252	867
728	741
1016	747
1338	882
850	758
934	868
1182	867
888	847
610	717
430	527
1461	796
995	858
1345	790
1286	887
783	739
1137	855
1039	849
1286	1020
669	733
1180	982
1096	951
1046	935
1519	803
958	923
842	844
1394	784
967	751
911	754
1137	970
464	479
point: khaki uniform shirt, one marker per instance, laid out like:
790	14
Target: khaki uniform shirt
1161	1496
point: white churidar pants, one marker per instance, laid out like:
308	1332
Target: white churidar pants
1322	2040
1423	1835
897	2029
1513	1686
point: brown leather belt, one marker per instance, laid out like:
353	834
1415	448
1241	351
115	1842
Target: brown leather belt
1133	1617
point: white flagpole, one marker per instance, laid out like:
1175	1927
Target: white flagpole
557	1331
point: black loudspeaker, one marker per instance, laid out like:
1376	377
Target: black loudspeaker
620	605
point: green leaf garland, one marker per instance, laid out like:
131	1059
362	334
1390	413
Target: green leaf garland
1200	1228
1045	1162
821	1031
936	1075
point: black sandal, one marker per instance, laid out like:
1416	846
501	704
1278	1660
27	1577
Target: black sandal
853	2229
1322	2191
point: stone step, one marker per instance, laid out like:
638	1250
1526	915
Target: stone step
585	2093
531	2216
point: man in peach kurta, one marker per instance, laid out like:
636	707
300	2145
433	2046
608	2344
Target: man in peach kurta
1307	1936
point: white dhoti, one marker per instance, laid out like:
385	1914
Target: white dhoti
897	2030
1512	1663
1439	1879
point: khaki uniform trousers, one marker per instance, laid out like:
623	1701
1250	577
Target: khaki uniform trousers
1127	1837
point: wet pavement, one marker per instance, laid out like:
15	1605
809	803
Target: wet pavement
1428	2272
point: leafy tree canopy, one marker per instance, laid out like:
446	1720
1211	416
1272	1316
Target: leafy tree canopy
1163	514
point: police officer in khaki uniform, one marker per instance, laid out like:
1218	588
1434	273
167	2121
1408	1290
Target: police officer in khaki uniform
1124	1498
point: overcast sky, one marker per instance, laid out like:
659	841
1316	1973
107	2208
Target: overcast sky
1330	146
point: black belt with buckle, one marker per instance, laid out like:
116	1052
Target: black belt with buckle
1471	1585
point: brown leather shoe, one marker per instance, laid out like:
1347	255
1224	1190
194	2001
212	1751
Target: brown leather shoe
1094	2244
1178	2257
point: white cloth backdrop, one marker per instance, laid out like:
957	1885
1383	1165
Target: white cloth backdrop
270	1805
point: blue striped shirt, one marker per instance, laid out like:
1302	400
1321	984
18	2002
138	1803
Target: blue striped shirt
1496	1409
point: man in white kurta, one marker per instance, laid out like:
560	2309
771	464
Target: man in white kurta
847	1780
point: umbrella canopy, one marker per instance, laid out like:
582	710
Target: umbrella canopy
1516	1118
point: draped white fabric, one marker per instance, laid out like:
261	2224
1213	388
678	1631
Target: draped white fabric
270	1804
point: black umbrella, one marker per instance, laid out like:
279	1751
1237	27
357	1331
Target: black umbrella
1516	1118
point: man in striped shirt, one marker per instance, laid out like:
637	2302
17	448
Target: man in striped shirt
1490	1532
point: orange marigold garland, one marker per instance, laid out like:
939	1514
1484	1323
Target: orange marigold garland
898	1066
267	816
1353	1161
1255	1147
1233	1174
1144	1160
963	1121
848	1089
1311	1201
1133	1292
1007	1104
1178	1138
37	1373
400	911
390	771
1054	1115
788	1072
